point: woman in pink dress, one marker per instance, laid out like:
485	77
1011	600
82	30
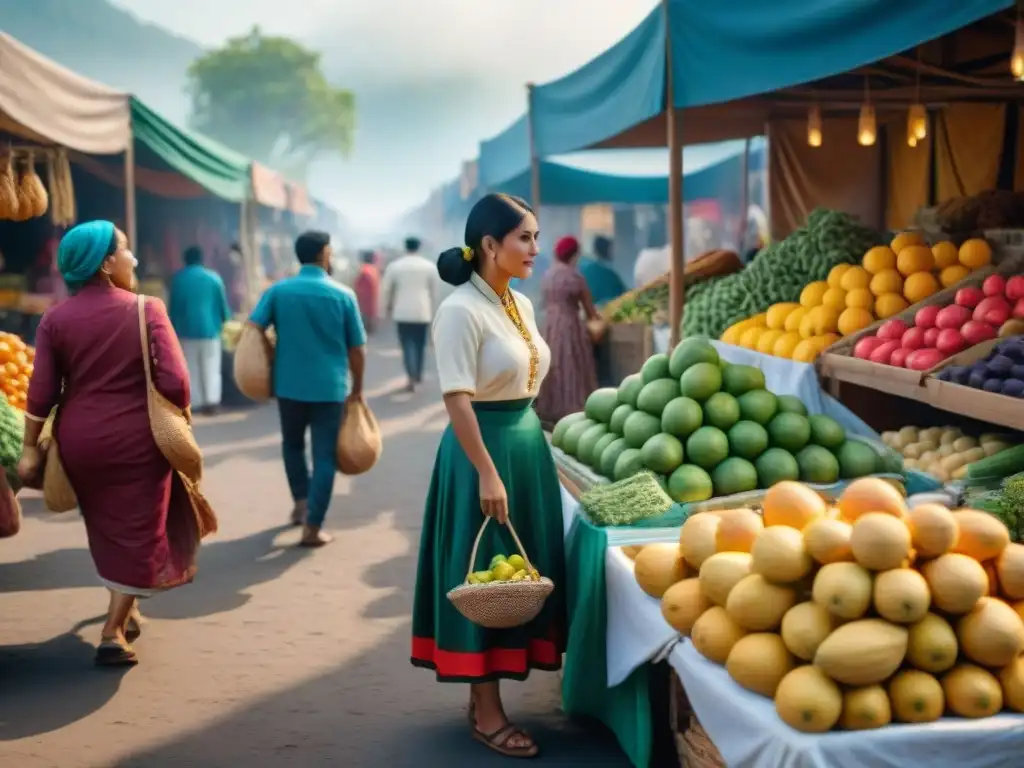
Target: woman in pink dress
573	374
142	531
367	288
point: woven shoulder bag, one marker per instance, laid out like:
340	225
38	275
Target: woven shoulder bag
169	424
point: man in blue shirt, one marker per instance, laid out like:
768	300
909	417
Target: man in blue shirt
321	343
198	308
602	279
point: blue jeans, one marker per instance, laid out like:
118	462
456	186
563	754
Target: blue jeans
413	339
323	420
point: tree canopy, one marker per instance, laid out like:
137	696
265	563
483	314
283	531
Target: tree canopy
268	98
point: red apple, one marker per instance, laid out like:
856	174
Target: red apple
892	330
884	351
953	316
1018	309
994	310
1015	288
969	297
994	285
931	336
913	338
925	317
923	359
950	342
866	346
976	331
899	357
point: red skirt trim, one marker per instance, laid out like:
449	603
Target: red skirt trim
542	654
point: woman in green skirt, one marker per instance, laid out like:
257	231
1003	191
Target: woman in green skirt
493	461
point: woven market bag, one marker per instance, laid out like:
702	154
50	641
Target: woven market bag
170	425
501	604
254	364
359	440
58	495
10	509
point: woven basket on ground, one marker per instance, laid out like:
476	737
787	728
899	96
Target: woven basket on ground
501	604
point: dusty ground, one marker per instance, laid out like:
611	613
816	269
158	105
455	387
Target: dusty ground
276	656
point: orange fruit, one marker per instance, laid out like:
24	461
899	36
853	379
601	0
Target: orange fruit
11	369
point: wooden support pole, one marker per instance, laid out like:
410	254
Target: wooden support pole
677	286
744	199
131	230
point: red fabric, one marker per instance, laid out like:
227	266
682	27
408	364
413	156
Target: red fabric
566	248
516	661
141	527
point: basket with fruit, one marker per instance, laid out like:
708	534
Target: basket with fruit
510	593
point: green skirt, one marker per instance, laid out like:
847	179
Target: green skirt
442	640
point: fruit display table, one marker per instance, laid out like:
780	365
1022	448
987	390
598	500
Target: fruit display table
747	732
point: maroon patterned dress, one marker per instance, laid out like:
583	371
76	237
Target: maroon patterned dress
573	373
142	530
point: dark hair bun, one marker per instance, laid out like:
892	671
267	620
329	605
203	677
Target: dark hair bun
453	267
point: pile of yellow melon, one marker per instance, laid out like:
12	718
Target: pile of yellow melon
889	280
855	615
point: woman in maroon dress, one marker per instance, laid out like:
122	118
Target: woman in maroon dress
142	531
573	373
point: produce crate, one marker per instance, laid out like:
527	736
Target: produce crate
580	475
975	403
693	746
630	344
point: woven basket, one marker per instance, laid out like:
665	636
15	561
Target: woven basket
58	495
502	604
254	363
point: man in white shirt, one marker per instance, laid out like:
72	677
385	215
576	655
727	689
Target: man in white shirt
651	264
410	293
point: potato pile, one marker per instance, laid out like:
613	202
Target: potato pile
943	452
856	615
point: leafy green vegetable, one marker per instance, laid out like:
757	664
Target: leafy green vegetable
627	501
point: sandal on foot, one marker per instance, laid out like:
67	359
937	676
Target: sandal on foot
114	653
133	628
498	741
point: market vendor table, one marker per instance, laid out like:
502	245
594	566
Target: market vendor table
748	733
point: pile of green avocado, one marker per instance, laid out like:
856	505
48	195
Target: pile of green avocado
708	428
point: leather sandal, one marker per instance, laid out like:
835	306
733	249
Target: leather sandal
113	652
498	741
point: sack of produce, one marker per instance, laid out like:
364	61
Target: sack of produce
509	594
626	502
8	190
10	509
32	191
359	440
254	364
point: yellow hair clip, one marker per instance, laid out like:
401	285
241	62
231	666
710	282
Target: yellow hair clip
467	253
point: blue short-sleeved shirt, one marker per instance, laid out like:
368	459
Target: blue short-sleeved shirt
198	304
317	322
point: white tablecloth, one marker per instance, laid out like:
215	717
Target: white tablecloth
749	734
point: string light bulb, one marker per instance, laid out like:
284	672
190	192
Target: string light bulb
918	120
814	134
1017	60
867	125
911	134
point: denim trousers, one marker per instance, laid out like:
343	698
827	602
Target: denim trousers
412	337
323	420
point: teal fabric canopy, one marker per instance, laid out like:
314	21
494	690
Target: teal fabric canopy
720	53
562	184
217	169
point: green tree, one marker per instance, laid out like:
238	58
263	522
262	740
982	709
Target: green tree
268	98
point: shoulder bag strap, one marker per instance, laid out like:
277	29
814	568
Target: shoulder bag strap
144	336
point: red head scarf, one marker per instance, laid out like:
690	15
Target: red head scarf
566	248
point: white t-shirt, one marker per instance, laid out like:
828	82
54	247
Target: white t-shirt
410	289
489	346
651	264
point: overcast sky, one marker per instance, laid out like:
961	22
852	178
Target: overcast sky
399	52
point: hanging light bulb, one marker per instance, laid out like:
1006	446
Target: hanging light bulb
911	134
814	135
1017	60
917	119
867	126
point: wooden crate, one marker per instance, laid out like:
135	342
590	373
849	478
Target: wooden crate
694	748
630	344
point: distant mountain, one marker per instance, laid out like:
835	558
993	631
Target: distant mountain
107	44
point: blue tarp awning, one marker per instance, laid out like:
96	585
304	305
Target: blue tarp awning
720	53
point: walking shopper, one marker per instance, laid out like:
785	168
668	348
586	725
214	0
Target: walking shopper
198	308
603	281
493	461
367	288
143	532
573	368
410	292
318	364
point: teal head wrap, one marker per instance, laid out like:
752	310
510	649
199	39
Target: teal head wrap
82	251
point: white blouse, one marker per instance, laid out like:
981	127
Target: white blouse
488	346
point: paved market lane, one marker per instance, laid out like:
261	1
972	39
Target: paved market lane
276	656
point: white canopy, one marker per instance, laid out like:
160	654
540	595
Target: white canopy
44	102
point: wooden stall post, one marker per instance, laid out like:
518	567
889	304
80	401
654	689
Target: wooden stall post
677	287
744	199
129	194
534	158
